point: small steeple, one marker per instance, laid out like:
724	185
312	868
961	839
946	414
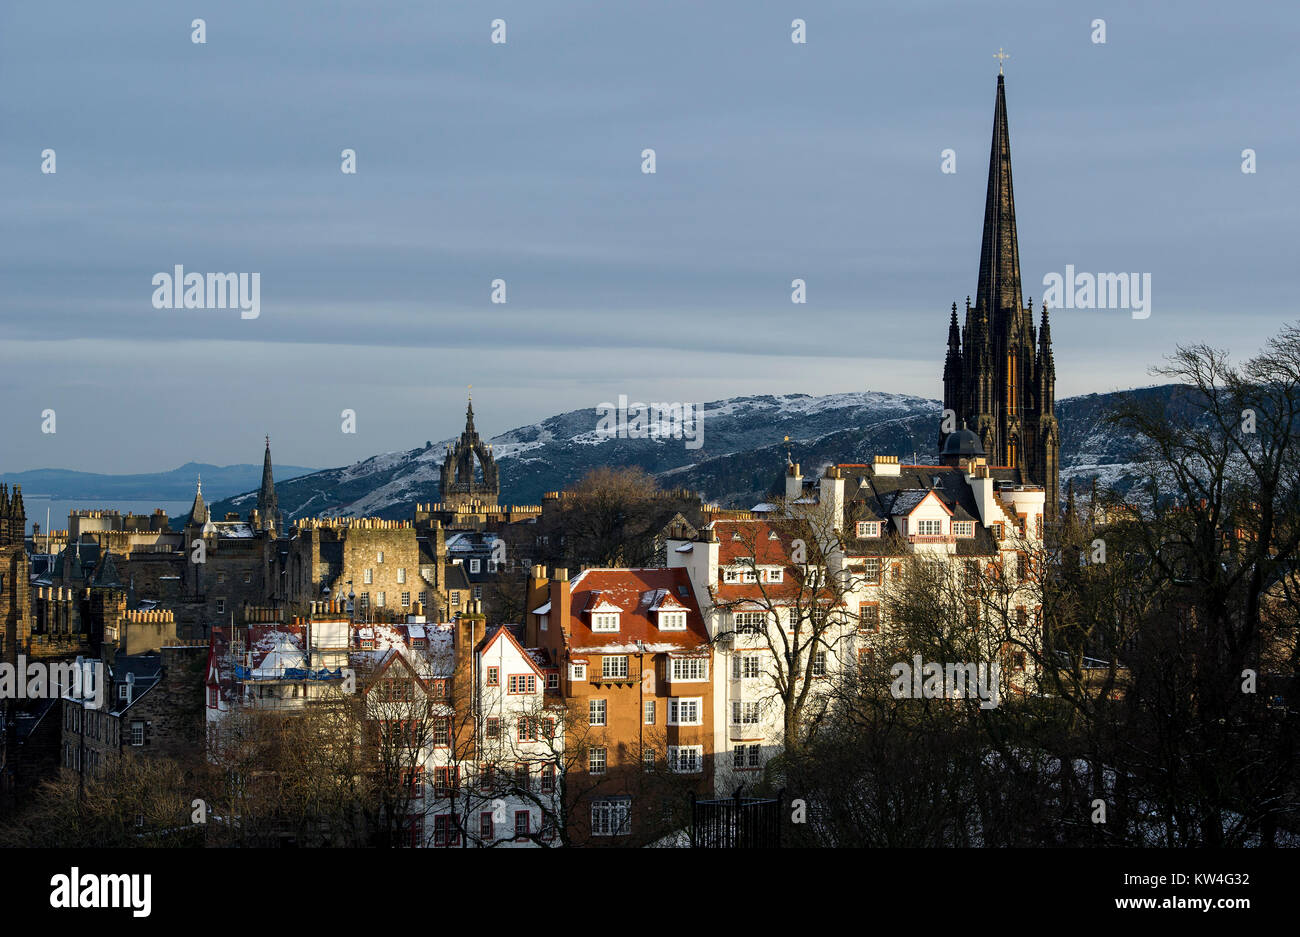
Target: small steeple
268	505
199	512
469	414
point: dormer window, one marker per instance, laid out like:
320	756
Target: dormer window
929	528
604	621
963	528
672	621
868	528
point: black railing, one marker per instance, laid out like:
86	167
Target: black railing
737	822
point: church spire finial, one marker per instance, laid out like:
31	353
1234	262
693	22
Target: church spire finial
1001	57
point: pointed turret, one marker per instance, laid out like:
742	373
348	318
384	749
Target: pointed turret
268	506
199	512
469	416
999	279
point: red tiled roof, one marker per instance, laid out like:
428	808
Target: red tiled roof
634	592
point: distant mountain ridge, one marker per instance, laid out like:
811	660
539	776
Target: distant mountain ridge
741	461
219	481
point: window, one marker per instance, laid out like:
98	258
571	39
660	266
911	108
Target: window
577	671
485	778
369	577
221	606
744	757
444	781
543	622
819	664
672	621
685	711
744	712
648	759
686	759
871	569
485	825
493	727
406	599
869	616
424	597
494	676
748	575
865	657
929	528
455	598
444	832
1038	527
137	727
548	727
1022	566
478	592
775	575
548	779
648	712
604	621
611	817
526	729
474	565
523	779
401	575
379	557
123	692
521	822
997	531
963	528
596	761
690	669
730	575
744	666
365	600
614	667
552	680
596	712
868	528
523	683
750	622
442	730
221	577
380	599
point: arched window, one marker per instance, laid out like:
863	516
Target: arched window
1013	383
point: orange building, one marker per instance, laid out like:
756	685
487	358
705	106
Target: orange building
635	671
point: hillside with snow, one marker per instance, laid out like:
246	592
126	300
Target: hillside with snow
740	462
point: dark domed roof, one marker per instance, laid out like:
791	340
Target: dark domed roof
963	443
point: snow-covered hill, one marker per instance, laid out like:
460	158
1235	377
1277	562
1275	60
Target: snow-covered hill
742	457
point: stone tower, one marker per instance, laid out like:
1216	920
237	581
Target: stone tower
268	506
14	577
999	377
460	486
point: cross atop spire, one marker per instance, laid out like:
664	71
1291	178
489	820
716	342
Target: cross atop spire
1000	56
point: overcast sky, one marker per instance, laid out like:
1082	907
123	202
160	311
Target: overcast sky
523	161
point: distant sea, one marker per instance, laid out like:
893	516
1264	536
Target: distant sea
59	508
